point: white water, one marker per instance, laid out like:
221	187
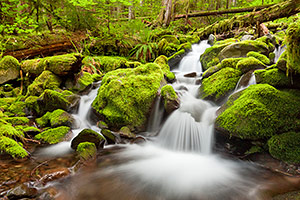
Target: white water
252	81
82	122
156	116
278	51
179	163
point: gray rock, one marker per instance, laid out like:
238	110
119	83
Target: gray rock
211	39
9	69
247	37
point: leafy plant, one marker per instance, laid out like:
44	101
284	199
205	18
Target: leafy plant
144	52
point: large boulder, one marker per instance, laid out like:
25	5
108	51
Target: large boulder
220	84
285	147
9	69
293	47
46	80
259	112
54	135
240	49
126	95
249	64
60	65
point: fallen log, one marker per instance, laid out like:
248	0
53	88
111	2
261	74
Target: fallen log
280	10
221	12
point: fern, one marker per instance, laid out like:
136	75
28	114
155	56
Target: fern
144	52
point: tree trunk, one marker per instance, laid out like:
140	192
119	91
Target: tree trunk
165	15
280	10
130	11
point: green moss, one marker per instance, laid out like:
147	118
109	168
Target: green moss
106	63
248	64
85	80
30	129
17	108
293	47
17	120
182	51
170	76
9	69
171	39
88	135
267	40
11	147
285	147
126	132
264	59
168	92
57	118
86	150
273	77
47	80
32	104
260	111
230	62
126	95
6	102
34	66
8	130
186	46
219	84
54	135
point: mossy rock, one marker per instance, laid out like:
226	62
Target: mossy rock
274	77
51	100
282	62
126	95
53	135
259	112
125	132
17	120
34	66
57	118
264	59
240	49
83	82
293	47
46	80
248	64
171	39
9	69
285	147
109	136
17	108
211	55
12	147
88	135
107	63
228	62
171	101
86	150
220	84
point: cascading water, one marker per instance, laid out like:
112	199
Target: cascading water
179	162
278	51
82	121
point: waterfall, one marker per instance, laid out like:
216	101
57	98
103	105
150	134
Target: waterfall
278	51
156	116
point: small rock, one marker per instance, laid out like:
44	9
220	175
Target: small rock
191	75
247	37
109	136
125	132
211	39
22	191
88	135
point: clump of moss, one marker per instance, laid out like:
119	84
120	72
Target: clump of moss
126	132
260	111
219	84
285	147
6	129
293	47
264	59
85	79
17	108
274	77
17	120
9	69
126	95
12	147
248	64
86	150
168	92
33	66
57	118
106	63
54	135
6	102
47	80
88	135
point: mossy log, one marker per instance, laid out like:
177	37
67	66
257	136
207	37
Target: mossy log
280	10
221	12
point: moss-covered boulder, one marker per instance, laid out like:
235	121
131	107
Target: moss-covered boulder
275	77
17	108
264	59
171	101
53	135
86	150
282	62
46	80
260	111
110	137
56	118
6	129
88	135
293	47
17	120
125	132
240	49
9	69
51	100
12	147
228	62
220	84
126	95
285	147
60	65
248	64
